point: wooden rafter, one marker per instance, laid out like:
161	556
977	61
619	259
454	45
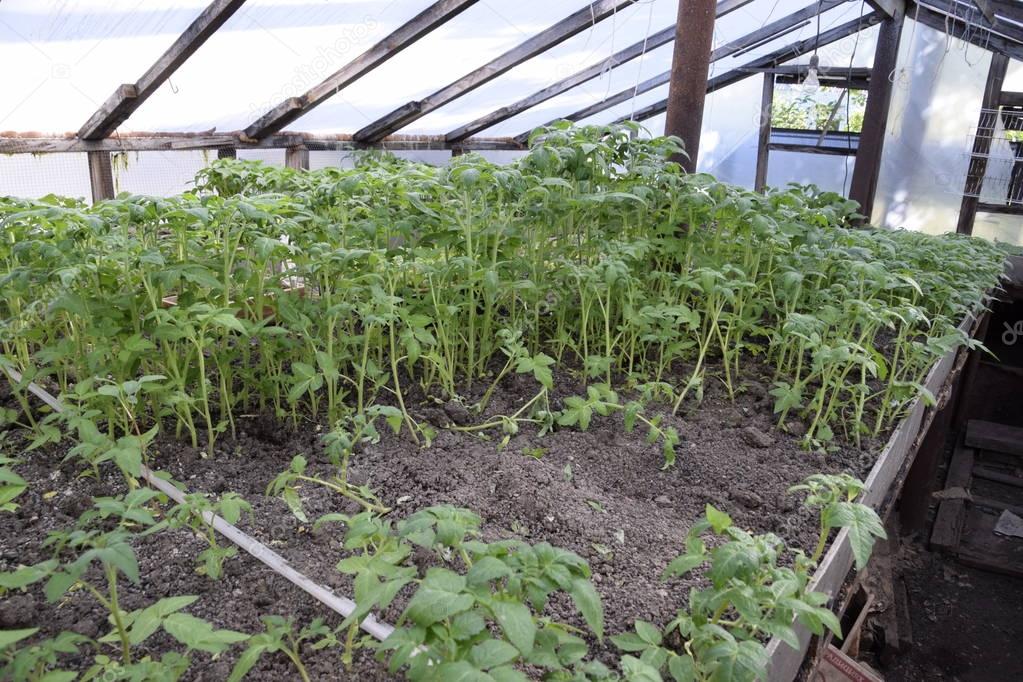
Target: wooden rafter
184	141
543	41
966	12
780	55
408	33
652	42
130	96
771	31
987	10
926	14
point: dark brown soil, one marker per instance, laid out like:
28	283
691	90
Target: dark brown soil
967	623
601	493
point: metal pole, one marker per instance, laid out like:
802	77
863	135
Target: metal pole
687	89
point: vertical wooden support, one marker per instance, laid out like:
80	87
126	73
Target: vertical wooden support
227	153
863	187
766	106
690	63
982	142
297	158
101	176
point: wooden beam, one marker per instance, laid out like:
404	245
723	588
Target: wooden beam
810	149
408	33
687	88
652	42
129	97
867	169
101	176
1004	209
889	8
970	33
1011	99
297	158
962	17
982	143
986	9
538	44
766	108
771	31
1010	9
34	144
790	51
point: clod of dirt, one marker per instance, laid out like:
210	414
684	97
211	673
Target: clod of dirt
756	438
18	611
86	627
457	412
747	499
796	428
663	500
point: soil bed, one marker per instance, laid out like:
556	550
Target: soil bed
600	493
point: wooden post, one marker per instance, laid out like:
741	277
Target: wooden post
101	176
297	158
766	106
982	142
867	168
687	90
227	153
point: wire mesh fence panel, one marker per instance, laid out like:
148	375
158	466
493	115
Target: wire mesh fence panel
36	175
158	173
273	157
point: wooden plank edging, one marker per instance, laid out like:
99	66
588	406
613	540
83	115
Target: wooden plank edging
897	454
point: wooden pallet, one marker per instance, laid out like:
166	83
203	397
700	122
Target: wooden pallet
982	483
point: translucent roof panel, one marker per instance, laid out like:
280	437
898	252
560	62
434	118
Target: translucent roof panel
72	54
259	62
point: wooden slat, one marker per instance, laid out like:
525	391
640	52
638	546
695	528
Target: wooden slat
541	42
812	149
764	137
867	169
925	13
949	519
967	11
771	31
408	33
101	176
129	97
1002	438
790	51
1006	209
184	141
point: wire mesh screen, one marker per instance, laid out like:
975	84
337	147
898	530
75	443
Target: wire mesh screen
995	170
36	175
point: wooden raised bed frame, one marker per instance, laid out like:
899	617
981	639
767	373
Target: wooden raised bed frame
883	485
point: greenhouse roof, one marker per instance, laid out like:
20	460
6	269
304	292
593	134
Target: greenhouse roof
405	73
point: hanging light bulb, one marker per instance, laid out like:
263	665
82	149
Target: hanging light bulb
812	82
